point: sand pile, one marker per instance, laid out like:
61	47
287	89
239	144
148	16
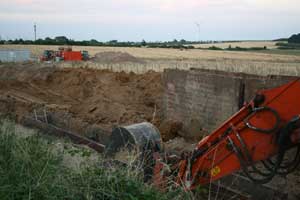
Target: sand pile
115	57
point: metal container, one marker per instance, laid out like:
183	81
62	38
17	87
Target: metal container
14	55
143	136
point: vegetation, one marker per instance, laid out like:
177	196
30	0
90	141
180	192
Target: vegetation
294	39
246	49
281	40
292	43
282	45
237	48
63	40
32	168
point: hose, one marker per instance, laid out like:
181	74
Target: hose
284	143
260	109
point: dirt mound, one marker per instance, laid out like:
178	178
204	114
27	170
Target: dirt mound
170	129
88	96
179	145
115	57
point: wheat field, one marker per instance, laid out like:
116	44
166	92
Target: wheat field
160	53
158	59
243	44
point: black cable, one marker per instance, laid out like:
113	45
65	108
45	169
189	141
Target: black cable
283	145
249	158
260	109
287	168
244	165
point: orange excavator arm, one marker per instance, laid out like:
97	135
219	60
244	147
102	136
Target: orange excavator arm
264	128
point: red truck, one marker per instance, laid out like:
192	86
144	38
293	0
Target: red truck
72	55
66	54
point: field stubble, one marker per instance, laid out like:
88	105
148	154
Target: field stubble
159	59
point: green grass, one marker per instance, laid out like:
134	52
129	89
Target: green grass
32	168
291	52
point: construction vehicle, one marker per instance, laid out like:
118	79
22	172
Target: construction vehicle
48	55
64	54
260	132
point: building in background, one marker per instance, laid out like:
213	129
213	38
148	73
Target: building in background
14	55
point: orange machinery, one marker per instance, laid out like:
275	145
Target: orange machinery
71	55
64	53
261	132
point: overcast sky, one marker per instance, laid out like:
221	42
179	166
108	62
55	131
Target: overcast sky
155	20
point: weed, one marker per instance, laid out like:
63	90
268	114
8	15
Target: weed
31	168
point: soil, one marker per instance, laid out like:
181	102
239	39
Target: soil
115	57
170	129
81	97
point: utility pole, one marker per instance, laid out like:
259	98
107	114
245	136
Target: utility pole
199	30
34	27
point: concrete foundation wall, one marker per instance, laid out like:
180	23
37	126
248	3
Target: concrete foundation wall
204	99
15	55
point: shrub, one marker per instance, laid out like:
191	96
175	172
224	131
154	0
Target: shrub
214	48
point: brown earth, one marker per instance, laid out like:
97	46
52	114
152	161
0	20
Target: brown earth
81	97
115	57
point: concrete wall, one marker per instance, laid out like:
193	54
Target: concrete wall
204	99
10	55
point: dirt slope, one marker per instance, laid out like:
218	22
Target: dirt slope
86	96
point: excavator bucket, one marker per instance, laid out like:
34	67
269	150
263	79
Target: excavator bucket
142	136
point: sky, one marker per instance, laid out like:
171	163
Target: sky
151	20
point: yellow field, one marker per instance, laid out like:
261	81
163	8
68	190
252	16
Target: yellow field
159	59
157	53
243	44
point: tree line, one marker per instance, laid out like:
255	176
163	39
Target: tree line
293	42
63	40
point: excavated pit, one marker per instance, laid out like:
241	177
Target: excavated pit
87	101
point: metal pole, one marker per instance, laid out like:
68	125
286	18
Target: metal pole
34	31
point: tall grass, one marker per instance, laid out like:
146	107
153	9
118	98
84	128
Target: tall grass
31	168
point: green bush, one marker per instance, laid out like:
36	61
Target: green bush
214	48
237	48
285	48
282	45
294	38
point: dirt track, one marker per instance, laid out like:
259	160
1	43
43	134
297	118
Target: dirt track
86	96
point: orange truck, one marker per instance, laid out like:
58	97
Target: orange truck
64	53
72	55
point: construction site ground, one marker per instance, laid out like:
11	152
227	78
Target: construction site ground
91	102
81	98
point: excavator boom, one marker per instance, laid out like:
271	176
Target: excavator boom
261	132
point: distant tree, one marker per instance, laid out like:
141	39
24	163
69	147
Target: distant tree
143	43
113	42
62	40
182	41
49	41
94	42
294	38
